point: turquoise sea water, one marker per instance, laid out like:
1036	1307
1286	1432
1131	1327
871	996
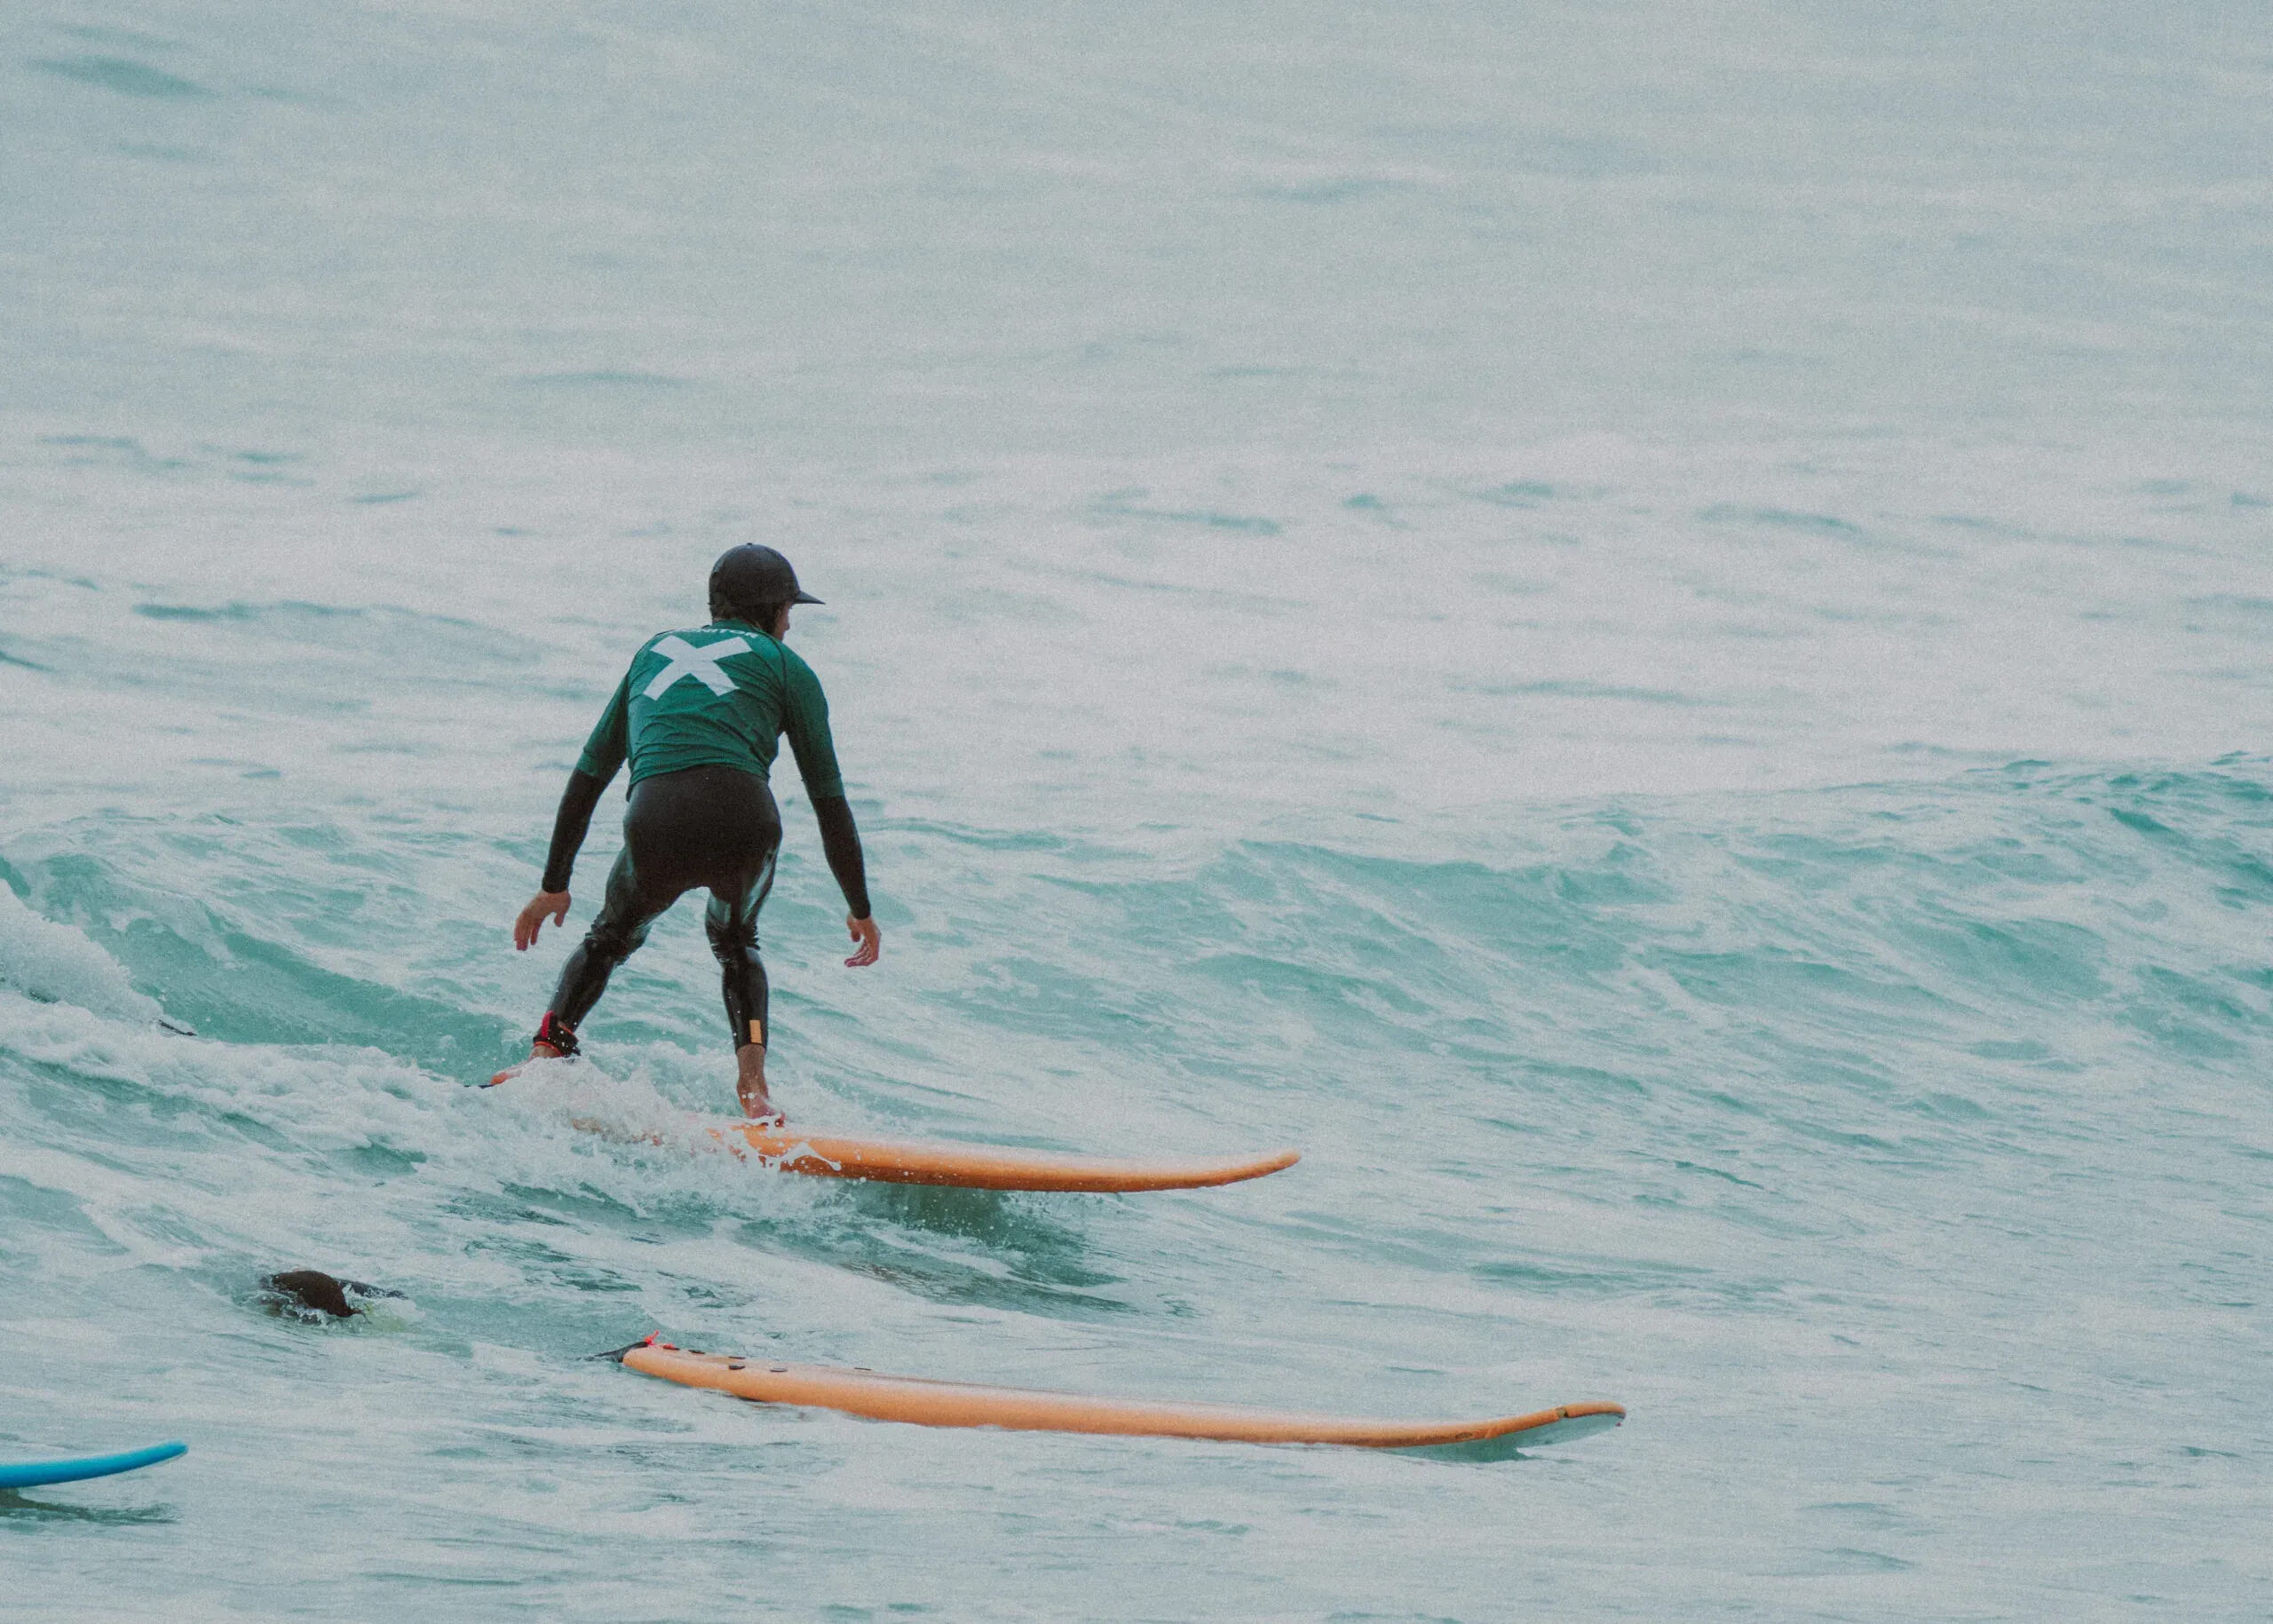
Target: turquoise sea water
1647	634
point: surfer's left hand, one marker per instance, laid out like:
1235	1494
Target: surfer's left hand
871	940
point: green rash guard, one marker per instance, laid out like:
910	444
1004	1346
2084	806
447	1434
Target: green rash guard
721	696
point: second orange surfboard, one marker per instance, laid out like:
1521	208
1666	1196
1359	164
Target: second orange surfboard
926	1403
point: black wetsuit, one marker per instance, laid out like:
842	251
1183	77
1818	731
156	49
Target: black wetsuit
701	739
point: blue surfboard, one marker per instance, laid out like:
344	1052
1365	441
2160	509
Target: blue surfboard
33	1474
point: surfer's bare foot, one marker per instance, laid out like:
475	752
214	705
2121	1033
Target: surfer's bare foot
750	1060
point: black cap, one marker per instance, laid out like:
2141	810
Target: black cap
750	575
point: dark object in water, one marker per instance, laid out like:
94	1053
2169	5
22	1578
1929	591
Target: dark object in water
304	1294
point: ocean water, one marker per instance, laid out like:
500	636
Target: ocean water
1644	628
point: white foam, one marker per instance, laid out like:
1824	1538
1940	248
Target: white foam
56	964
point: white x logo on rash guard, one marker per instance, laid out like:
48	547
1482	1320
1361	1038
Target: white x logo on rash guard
699	663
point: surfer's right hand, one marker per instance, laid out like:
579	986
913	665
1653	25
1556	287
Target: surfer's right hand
871	941
532	919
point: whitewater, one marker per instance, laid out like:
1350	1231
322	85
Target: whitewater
1644	628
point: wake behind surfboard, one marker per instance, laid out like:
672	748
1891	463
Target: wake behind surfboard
923	1402
961	1166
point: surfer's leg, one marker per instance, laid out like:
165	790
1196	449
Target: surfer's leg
744	983
734	940
624	918
625	914
749	1085
731	923
665	855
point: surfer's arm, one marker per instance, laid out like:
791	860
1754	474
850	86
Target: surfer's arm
570	825
604	754
840	840
805	719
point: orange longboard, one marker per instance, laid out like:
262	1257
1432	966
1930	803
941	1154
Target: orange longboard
955	1404
981	1167
945	1162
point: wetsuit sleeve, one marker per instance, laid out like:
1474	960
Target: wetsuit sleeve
604	754
841	841
568	826
804	718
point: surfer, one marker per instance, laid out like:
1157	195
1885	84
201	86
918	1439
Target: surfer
312	1295
700	714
